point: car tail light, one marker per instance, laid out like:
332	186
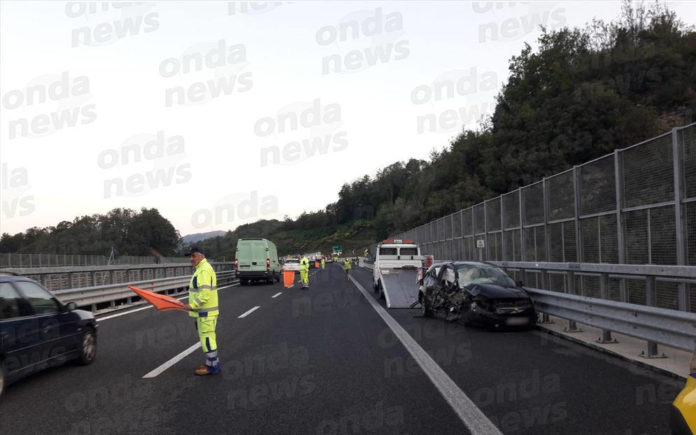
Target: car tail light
236	265
268	264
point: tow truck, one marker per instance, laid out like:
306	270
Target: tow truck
395	272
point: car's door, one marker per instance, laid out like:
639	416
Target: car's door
59	328
19	332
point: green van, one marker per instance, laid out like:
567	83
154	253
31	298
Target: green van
256	259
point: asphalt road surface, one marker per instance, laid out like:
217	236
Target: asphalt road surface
331	360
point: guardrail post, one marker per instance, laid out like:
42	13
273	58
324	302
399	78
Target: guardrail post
546	285
606	337
650	300
679	215
572	326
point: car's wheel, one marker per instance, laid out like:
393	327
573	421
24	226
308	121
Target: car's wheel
380	290
375	286
88	350
426	310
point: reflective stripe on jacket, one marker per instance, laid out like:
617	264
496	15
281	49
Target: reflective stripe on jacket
203	296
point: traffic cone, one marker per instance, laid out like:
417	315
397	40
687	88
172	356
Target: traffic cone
288	278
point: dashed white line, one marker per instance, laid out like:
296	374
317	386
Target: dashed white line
249	312
156	372
276	295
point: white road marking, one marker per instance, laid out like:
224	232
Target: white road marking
249	312
149	306
472	417
156	372
276	295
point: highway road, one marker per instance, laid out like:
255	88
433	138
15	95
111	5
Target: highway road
331	360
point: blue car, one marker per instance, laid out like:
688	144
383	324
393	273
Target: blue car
38	331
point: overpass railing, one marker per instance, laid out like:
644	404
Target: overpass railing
66	277
118	295
54	260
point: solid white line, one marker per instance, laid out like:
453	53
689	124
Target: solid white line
472	417
156	372
149	306
276	295
249	312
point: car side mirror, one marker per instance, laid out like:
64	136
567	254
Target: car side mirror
519	283
71	306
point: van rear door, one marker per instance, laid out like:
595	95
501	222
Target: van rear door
259	255
244	255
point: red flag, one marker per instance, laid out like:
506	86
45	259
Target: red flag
161	302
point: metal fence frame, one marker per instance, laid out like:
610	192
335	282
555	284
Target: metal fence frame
58	260
636	205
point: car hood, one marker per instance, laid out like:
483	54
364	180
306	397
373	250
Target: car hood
493	291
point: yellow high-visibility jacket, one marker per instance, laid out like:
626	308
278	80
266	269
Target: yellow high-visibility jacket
203	296
304	264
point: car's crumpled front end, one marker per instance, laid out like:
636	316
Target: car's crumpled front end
500	307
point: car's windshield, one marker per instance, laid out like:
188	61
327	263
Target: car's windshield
292	260
483	275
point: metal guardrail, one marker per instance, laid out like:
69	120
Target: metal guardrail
657	325
66	277
638	270
675	328
28	271
111	293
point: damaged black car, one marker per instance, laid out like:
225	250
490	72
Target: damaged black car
475	293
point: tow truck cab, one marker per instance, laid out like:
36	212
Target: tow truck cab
395	254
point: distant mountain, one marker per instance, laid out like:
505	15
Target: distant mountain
195	238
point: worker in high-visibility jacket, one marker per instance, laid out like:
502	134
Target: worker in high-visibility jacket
347	266
323	263
203	306
304	271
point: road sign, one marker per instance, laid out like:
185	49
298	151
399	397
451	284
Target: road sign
338	249
480	243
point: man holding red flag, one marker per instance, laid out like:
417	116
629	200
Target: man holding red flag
203	305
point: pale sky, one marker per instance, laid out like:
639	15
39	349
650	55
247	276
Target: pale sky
222	113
